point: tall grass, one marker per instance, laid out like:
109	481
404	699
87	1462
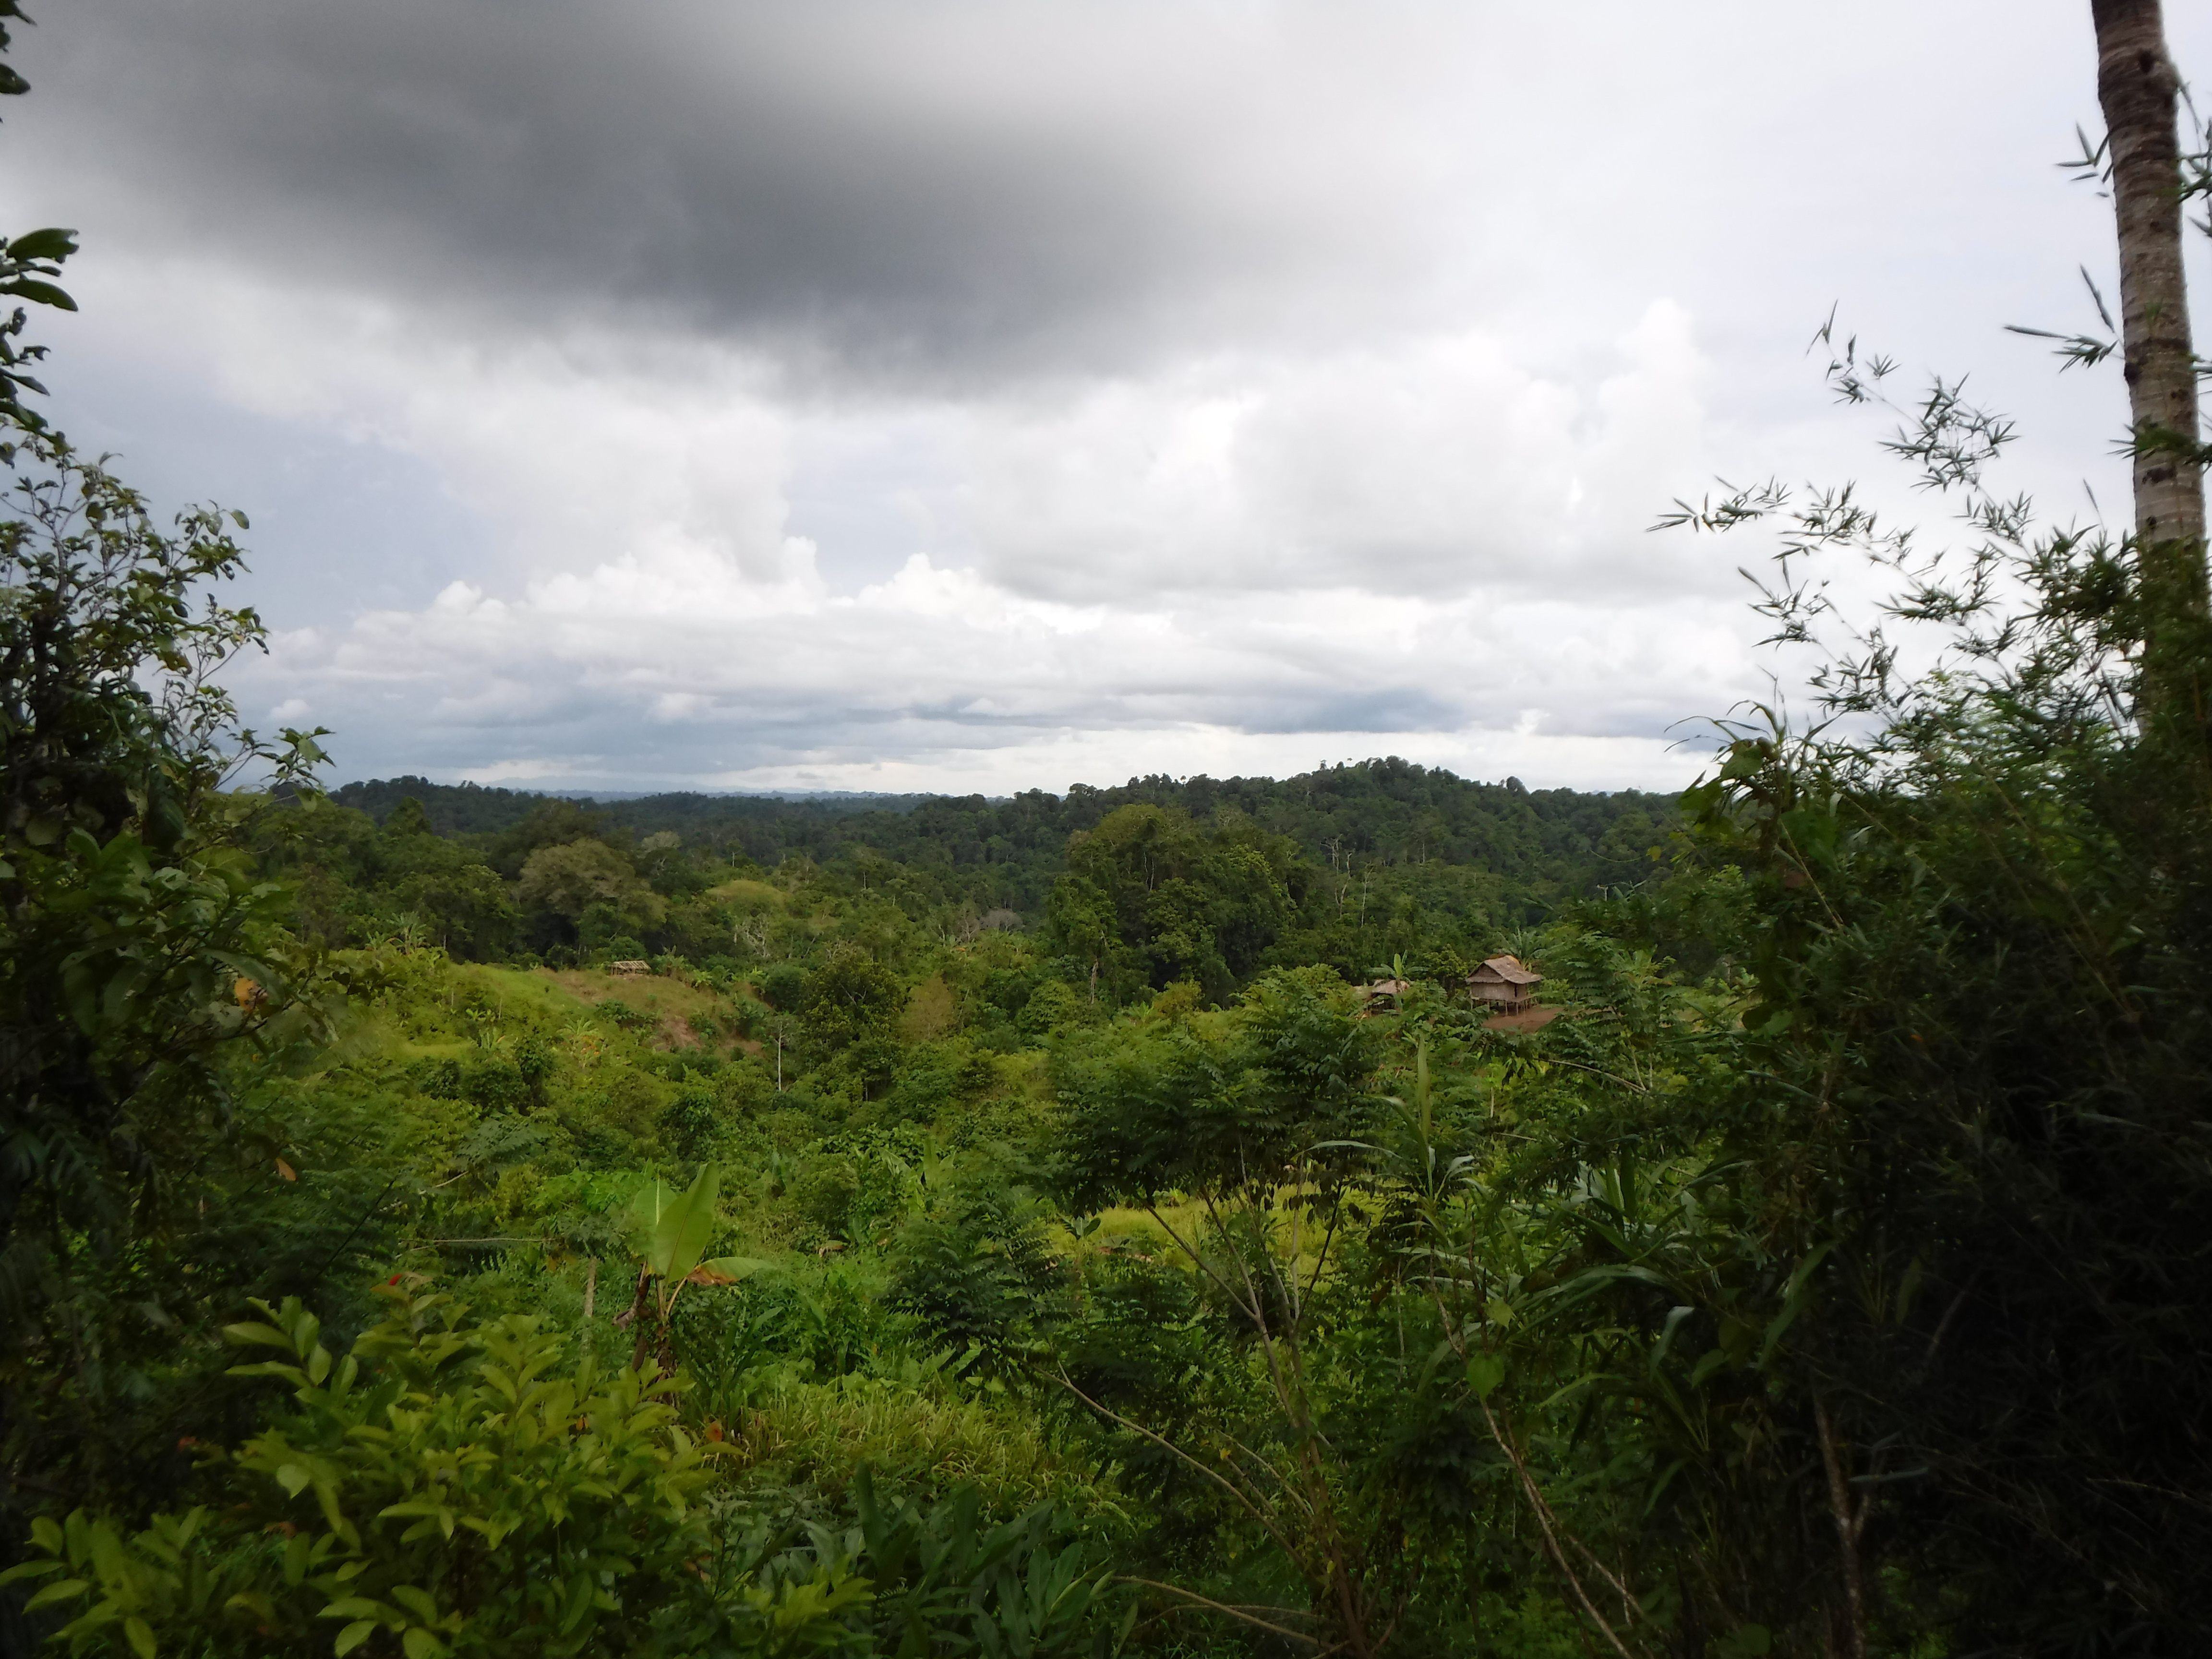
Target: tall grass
820	1433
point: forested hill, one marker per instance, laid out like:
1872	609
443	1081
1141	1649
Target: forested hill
1546	844
1123	889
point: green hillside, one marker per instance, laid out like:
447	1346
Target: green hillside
1366	862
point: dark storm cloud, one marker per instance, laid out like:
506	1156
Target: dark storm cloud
999	391
906	191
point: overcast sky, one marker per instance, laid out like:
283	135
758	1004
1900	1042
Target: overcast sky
992	395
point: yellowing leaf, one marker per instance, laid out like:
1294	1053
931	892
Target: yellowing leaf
726	1270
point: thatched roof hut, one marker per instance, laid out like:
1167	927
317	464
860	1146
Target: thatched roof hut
1387	992
1504	983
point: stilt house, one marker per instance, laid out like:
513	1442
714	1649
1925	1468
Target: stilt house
1504	984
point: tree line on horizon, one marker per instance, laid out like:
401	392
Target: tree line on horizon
1363	863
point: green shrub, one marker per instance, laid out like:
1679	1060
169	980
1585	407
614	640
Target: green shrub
822	1197
783	988
497	1085
918	1439
1051	1005
446	1488
693	1124
978	1275
441	1079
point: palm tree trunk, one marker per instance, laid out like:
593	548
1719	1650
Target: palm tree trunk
2136	86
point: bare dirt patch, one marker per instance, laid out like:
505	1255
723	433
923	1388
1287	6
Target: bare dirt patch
1531	1019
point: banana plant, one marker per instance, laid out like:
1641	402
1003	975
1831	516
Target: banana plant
670	1237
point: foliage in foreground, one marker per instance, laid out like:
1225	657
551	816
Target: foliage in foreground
464	1487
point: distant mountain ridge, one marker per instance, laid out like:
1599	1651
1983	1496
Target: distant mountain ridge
478	809
1552	844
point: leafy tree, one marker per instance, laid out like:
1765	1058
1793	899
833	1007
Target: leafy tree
850	999
576	877
783	988
671	1231
539	824
138	944
1254	1119
1147	892
977	1271
2137	86
1220	1111
1936	1240
27	264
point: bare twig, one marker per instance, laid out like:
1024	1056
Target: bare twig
1238	1612
1848	1526
1545	1522
1244	1499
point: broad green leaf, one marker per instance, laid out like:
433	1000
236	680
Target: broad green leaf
355	1606
677	1225
417	1601
140	1635
420	1643
580	1602
45	293
267	1336
47	243
352	1637
1674	1318
1485	1371
67	1589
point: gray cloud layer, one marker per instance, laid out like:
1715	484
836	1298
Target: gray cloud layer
888	391
904	191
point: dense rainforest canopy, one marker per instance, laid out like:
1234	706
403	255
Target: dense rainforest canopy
438	1220
1156	880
